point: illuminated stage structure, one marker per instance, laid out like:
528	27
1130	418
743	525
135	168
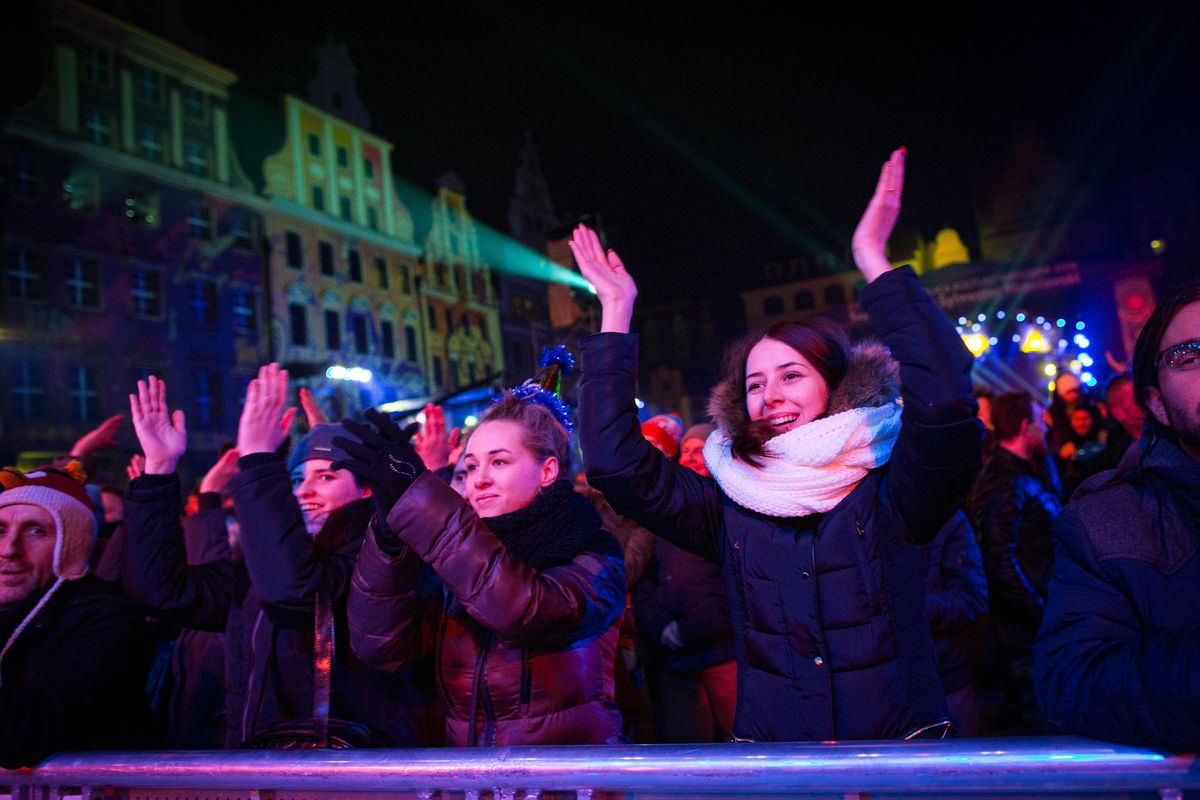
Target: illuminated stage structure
976	768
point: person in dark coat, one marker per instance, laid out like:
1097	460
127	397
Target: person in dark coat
1118	651
299	536
825	486
1013	506
531	586
956	600
73	652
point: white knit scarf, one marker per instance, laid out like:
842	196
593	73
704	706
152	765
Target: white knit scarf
810	468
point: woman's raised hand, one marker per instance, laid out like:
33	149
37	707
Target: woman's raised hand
871	236
606	273
264	423
163	435
431	442
220	473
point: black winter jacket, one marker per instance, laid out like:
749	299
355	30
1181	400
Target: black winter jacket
1117	657
820	604
265	603
956	598
1013	510
73	679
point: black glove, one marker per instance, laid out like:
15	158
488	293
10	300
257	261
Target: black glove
384	460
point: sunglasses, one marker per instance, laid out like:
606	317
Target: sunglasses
1183	356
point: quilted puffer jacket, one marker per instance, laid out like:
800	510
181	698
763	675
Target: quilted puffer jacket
524	656
828	609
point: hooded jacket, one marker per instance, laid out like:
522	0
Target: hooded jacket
1118	651
264	603
828	609
524	656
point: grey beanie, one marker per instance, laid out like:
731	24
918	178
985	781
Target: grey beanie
700	431
319	444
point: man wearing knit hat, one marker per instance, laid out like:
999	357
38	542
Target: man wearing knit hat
73	653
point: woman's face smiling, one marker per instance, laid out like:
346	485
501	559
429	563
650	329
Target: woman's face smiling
782	387
502	475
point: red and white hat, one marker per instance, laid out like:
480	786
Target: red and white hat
61	494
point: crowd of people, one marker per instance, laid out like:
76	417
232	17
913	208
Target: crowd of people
858	546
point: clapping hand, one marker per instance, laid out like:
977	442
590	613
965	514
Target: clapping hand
382	458
102	436
871	236
432	443
137	465
312	411
264	423
163	435
606	273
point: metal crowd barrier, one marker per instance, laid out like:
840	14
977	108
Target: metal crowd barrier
1046	767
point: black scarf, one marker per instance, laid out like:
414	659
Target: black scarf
557	526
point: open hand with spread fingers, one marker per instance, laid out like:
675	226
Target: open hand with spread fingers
606	273
870	240
161	433
264	423
432	442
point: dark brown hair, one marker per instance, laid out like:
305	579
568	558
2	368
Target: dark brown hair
541	433
1149	341
822	343
1009	410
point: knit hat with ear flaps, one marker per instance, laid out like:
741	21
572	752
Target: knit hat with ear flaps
60	492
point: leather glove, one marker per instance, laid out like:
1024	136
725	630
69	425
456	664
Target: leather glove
383	459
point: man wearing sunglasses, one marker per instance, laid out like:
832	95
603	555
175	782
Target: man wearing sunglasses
1118	656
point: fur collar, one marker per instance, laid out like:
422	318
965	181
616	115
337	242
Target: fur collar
872	379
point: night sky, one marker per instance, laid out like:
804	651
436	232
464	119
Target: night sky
711	145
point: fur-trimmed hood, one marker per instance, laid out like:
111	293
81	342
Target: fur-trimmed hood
872	379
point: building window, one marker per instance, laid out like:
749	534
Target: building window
437	371
199	220
97	126
150	142
359	325
195	104
83	283
208	397
835	295
298	316
354	262
196	157
97	66
344	208
773	305
295	250
243	231
333	330
82	193
431	313
410	343
387	339
314	145
27	179
85	399
343	158
381	273
449	321
146	293
204	302
24	275
372	218
804	300
326	258
149	86
368	169
27	390
318	195
142	208
405	279
245	311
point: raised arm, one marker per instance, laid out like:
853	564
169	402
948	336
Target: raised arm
937	453
636	479
156	570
